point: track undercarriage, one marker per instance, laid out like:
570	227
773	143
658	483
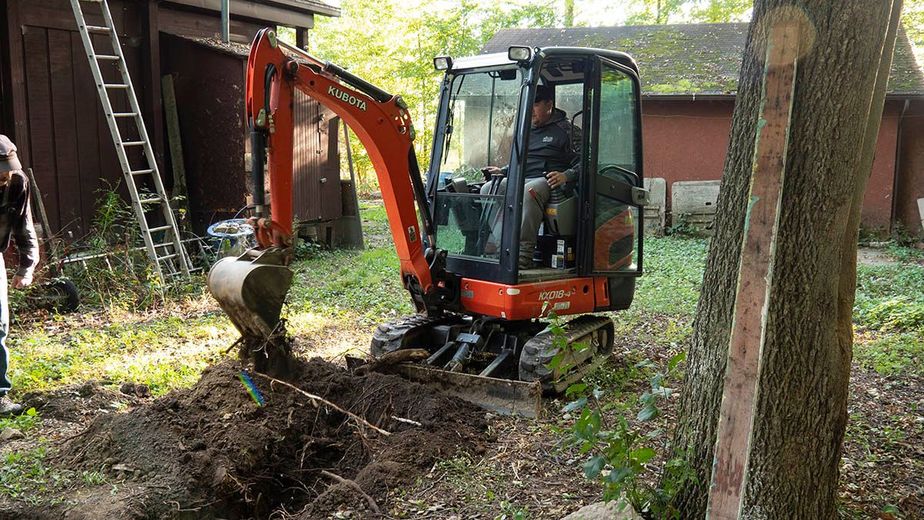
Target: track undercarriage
505	366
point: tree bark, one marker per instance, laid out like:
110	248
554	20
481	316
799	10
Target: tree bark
801	407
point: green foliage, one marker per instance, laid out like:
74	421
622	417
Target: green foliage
393	43
305	249
673	276
722	11
25	476
913	22
114	223
25	471
115	272
889	297
349	282
23	423
892	354
163	354
620	451
650	12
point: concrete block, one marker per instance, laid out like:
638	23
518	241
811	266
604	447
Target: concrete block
656	210
921	211
605	511
693	203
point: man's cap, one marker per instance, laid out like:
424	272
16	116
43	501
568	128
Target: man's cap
8	159
544	93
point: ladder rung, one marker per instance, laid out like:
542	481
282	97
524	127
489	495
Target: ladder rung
125	114
165	244
158	228
133	143
141	172
98	29
115	85
150	200
166	257
106	57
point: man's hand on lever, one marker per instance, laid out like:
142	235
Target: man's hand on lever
556	179
490	172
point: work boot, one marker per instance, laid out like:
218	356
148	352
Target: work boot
525	260
8	408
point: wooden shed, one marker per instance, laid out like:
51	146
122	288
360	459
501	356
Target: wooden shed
49	105
689	77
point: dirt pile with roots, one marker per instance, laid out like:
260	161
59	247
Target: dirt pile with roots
211	452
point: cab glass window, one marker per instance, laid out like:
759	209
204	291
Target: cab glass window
478	132
616	218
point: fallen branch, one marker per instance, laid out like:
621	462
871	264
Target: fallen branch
355	486
393	358
327	403
406	421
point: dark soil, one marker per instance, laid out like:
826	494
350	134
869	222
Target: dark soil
211	452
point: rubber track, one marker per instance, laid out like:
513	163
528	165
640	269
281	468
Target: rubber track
539	351
389	336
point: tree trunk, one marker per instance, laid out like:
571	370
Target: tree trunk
801	404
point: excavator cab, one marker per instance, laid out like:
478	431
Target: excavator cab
481	327
591	227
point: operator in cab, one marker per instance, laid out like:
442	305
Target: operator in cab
553	161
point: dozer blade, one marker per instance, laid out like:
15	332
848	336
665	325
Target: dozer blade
251	290
502	396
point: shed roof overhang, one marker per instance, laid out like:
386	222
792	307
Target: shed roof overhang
290	13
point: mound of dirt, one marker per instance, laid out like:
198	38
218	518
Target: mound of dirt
211	452
78	403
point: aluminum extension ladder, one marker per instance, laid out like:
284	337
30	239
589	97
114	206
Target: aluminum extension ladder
162	241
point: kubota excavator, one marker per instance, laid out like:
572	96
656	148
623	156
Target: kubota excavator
481	318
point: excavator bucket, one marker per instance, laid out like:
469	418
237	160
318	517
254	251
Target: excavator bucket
251	289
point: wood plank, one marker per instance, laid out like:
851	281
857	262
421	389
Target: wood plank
259	12
129	22
41	121
755	277
328	164
89	121
64	118
173	137
18	82
151	74
6	107
201	25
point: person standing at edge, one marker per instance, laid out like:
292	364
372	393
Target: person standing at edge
15	223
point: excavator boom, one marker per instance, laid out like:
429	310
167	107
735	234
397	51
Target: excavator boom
251	289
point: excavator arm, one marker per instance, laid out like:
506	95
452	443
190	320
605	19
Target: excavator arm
252	288
380	120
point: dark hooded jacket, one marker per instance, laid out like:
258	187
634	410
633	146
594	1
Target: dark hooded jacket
16	222
554	146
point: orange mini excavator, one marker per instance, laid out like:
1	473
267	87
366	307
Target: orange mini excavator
481	316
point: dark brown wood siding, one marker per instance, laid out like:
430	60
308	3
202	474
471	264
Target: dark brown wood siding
59	124
209	88
50	108
316	162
